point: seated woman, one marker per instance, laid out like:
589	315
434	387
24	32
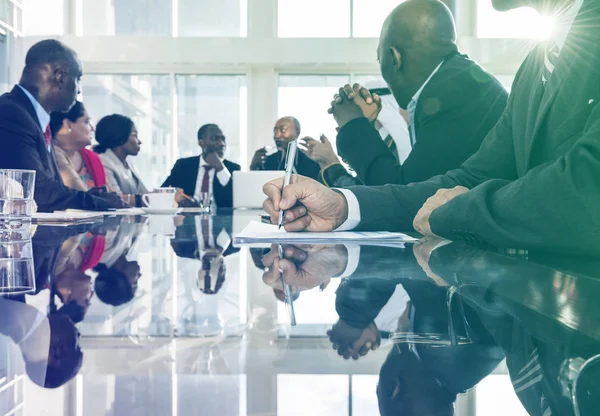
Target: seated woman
80	168
117	139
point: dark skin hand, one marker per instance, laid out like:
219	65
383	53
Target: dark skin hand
370	105
214	161
354	342
259	159
305	267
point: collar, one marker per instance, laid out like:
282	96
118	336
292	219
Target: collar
415	97
564	21
42	115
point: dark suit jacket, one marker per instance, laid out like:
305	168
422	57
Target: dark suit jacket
457	108
304	165
24	147
184	175
534	181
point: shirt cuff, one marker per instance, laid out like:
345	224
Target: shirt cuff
353	259
224	176
353	211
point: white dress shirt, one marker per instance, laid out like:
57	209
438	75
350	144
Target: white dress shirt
224	176
42	115
565	21
412	105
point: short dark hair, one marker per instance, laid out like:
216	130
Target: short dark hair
202	130
74	114
112	131
112	286
49	52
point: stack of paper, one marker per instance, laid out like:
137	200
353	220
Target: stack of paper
122	211
257	232
65	218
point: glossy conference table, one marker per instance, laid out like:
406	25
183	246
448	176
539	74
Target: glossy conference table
200	328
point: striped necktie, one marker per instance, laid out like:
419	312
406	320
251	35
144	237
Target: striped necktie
551	54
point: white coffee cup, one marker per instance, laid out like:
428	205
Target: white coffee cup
161	198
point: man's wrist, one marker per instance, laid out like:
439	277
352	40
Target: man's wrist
343	204
343	121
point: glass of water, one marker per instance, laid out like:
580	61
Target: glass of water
17	273
206	201
16	203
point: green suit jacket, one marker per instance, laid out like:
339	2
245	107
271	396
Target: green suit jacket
535	181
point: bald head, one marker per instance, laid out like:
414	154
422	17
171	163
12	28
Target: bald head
415	38
52	72
286	129
424	25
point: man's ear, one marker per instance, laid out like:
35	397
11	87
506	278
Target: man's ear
396	58
59	77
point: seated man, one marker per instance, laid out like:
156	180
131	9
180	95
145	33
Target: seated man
452	102
392	127
533	184
209	173
50	82
286	130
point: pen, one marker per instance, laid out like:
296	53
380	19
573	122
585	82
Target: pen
287	293
289	166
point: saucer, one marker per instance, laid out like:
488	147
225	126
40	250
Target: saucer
161	211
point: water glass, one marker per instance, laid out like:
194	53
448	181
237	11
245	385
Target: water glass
16	201
206	201
17	272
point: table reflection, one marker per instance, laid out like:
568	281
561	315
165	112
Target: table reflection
419	327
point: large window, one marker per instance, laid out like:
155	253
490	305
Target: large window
307	97
524	23
218	99
164	17
146	100
332	18
43	17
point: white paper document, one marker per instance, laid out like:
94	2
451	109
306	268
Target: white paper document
257	232
112	212
65	217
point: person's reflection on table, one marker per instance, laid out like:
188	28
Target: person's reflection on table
206	239
118	269
73	286
304	267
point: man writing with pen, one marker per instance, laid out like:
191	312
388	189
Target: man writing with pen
207	174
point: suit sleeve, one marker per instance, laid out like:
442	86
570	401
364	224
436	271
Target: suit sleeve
454	115
21	152
553	207
393	207
170	181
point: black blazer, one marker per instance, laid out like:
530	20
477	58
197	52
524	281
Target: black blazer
24	147
457	108
534	181
304	165
184	175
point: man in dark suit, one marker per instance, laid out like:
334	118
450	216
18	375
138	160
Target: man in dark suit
286	129
532	184
208	239
209	173
452	102
50	82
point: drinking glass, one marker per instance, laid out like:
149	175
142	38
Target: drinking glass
16	203
206	201
17	274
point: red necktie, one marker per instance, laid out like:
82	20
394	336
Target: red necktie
48	135
206	179
205	232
